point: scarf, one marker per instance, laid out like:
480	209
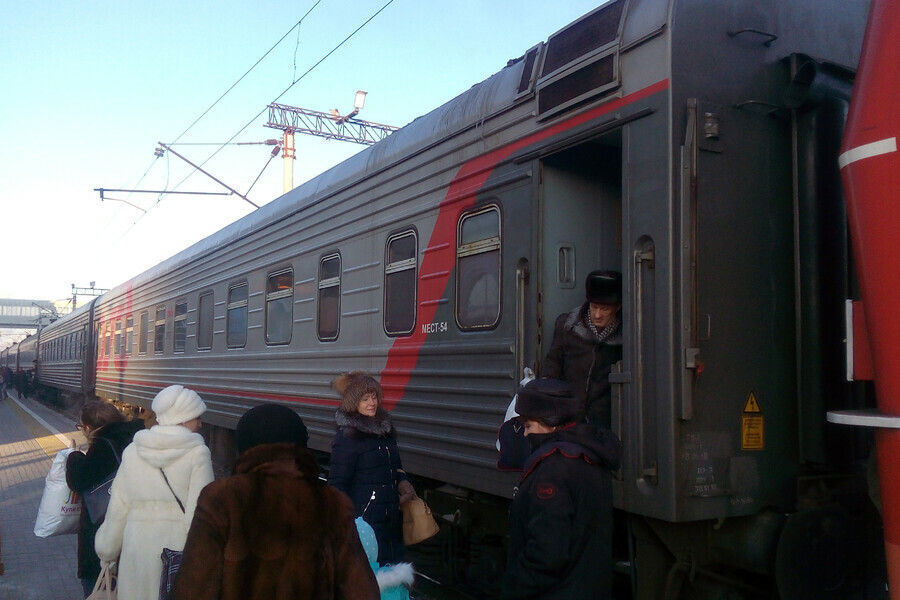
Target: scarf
607	331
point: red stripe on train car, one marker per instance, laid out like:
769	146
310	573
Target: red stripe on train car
440	254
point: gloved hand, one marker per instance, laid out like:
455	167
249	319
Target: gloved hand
406	490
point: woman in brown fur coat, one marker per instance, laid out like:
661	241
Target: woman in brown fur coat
273	531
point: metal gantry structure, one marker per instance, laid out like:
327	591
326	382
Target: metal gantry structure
330	125
326	125
85	291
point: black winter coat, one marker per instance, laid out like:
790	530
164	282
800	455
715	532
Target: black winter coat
365	460
560	520
84	471
577	358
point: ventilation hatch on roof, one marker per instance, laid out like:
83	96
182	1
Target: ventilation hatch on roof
581	61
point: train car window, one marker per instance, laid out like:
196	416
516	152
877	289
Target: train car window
205	321
99	338
236	336
129	335
142	334
108	338
159	334
478	269
119	340
329	310
400	273
279	306
180	326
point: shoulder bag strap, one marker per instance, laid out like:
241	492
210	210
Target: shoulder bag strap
180	505
113	448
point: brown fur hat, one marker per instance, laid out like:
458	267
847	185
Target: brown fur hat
353	386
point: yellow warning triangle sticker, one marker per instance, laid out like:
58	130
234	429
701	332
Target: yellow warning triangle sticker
752	406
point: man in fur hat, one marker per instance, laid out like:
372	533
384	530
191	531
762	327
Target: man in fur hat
560	521
587	342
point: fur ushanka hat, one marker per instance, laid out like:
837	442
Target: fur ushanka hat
353	386
177	404
603	287
548	399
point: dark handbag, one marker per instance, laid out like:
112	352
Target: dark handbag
171	562
96	499
171	559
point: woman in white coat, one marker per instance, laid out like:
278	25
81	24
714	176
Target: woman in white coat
155	492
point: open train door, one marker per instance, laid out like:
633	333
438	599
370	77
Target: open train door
870	167
581	223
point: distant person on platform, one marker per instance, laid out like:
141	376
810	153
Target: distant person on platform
274	530
19	379
587	342
4	382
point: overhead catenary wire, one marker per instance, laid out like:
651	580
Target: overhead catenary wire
288	88
255	117
241	78
213	105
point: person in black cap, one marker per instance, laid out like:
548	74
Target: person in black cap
587	342
273	530
560	520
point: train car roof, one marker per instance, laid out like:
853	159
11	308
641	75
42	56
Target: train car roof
31	340
65	318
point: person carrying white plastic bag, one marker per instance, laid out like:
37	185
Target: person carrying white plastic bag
60	509
528	375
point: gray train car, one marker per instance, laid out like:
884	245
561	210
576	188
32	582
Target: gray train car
26	354
688	144
65	360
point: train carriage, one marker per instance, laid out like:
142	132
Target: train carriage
65	359
689	144
26	355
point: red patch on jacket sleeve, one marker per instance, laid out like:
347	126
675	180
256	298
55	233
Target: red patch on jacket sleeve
545	491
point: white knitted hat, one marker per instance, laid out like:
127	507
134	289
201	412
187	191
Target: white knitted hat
176	404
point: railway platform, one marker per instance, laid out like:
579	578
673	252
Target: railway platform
36	568
33	568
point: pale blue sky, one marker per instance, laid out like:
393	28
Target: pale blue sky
90	87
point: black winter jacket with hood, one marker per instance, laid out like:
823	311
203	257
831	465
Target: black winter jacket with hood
560	534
